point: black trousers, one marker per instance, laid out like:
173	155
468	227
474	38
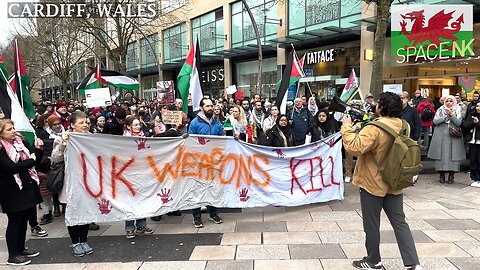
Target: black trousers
474	150
78	233
32	220
393	207
17	231
197	213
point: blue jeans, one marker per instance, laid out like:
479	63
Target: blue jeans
197	212
130	224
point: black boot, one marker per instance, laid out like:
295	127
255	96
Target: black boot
56	210
64	207
46	219
442	177
451	177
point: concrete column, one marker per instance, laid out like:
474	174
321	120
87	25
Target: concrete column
367	41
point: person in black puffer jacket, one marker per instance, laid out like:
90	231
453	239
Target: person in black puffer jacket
323	126
471	131
280	135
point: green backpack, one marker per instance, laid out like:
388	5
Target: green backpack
403	162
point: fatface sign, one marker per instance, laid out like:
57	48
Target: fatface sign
125	178
320	56
431	32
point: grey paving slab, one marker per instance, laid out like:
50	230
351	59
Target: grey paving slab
225	227
266	209
449	236
312	226
424	250
278	226
472	248
247	238
464	213
213	253
288	216
174	265
452	206
454	224
474	233
345	206
169	219
337	264
427	264
230	265
427	214
418	237
72	266
316	207
342	237
112	266
175	229
337	215
278	238
465	263
288	264
426	206
262	252
316	251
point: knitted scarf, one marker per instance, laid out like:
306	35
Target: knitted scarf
17	151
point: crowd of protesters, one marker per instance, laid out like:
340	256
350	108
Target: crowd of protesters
254	120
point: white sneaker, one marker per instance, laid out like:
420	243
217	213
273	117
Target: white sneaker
348	179
475	184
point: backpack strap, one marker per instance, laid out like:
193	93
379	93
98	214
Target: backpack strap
389	130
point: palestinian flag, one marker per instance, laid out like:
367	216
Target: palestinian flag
12	108
291	75
20	82
189	80
5	103
98	77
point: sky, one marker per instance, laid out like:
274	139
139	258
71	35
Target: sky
6	24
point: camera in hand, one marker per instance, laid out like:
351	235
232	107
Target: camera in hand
338	105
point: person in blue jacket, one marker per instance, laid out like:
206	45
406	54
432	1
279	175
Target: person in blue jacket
205	123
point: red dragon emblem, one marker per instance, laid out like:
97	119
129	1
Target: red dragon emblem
436	28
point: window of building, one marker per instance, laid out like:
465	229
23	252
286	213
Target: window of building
247	73
309	15
175	45
149	55
209	29
132	56
242	28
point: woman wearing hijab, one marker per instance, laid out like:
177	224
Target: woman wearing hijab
19	191
324	126
281	134
312	105
447	151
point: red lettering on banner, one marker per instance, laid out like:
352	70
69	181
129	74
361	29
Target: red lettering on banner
117	176
321	163
100	176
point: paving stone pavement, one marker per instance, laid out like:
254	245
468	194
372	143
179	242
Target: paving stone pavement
445	222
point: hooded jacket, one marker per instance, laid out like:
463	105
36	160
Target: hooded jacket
204	126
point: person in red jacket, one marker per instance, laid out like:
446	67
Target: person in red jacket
426	120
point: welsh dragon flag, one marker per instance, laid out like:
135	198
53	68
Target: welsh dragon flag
11	107
20	82
291	75
189	79
351	91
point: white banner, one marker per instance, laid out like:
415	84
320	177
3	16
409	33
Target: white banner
98	97
125	178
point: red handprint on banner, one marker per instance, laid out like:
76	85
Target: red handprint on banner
141	143
243	195
104	207
202	140
279	152
164	195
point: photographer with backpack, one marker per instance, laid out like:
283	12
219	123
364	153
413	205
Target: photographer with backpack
427	112
373	146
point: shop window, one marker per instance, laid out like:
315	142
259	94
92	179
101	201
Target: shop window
175	45
247	74
132	57
242	28
149	56
209	29
308	15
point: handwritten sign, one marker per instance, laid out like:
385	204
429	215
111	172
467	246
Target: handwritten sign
172	117
125	178
98	97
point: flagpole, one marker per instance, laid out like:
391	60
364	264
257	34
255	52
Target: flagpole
17	71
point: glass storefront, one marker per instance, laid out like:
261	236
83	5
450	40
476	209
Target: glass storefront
327	68
132	57
246	74
175	45
149	86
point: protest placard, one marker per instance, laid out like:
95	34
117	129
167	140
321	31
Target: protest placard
98	97
172	117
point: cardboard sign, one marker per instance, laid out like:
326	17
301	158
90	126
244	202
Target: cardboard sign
172	117
98	97
165	92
